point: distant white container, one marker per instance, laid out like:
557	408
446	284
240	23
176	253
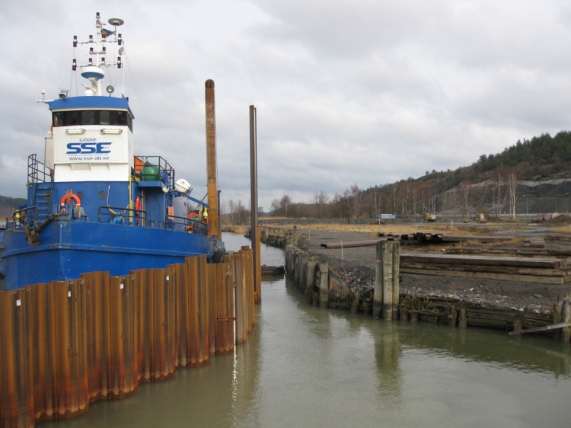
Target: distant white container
386	216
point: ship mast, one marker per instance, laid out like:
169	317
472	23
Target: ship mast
106	44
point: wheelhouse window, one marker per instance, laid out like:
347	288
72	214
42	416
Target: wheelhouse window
92	117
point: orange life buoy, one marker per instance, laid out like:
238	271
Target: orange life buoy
68	196
138	204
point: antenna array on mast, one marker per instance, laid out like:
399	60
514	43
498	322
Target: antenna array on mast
101	47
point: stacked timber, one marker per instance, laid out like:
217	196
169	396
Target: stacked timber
544	270
559	245
525	248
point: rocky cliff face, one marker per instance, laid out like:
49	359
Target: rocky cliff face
497	197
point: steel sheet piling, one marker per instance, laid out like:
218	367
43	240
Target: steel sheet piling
224	306
193	327
68	343
211	289
183	313
96	285
16	400
203	311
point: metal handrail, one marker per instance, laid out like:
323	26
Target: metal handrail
187	223
107	214
38	172
165	168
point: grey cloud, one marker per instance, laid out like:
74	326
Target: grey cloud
347	92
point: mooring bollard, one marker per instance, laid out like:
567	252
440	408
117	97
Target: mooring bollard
323	284
386	292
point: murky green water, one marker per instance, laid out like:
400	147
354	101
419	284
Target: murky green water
306	367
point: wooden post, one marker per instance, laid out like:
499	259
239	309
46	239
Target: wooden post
517	326
386	292
396	280
310	277
463	320
566	318
355	302
453	317
323	284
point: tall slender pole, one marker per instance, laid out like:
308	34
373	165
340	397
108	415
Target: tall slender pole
213	218
254	232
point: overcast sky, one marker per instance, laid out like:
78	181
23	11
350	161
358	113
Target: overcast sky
358	91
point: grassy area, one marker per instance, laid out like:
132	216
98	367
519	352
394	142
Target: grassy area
240	229
452	228
395	228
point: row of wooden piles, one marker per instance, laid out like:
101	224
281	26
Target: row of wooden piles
66	344
327	287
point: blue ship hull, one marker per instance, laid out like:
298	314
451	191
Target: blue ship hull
69	248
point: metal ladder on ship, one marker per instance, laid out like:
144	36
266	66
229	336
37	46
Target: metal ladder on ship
40	176
43	201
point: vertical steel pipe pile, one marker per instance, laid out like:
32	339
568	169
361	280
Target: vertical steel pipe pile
254	230
213	218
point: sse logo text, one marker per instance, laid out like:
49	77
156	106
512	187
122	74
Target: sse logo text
88	148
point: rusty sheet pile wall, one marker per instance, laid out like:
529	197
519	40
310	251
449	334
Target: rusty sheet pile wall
66	344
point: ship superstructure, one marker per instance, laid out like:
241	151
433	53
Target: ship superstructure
93	203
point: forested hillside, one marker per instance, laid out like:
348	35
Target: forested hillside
532	176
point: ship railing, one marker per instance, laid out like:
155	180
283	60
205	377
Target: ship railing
116	215
22	217
165	171
38	172
186	224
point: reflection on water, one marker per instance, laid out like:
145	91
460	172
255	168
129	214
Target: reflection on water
304	366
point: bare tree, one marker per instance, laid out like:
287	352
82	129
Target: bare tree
276	207
354	194
320	200
285	201
512	191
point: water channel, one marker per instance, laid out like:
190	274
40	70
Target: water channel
309	367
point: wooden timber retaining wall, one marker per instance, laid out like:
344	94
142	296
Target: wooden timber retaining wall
66	344
324	287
